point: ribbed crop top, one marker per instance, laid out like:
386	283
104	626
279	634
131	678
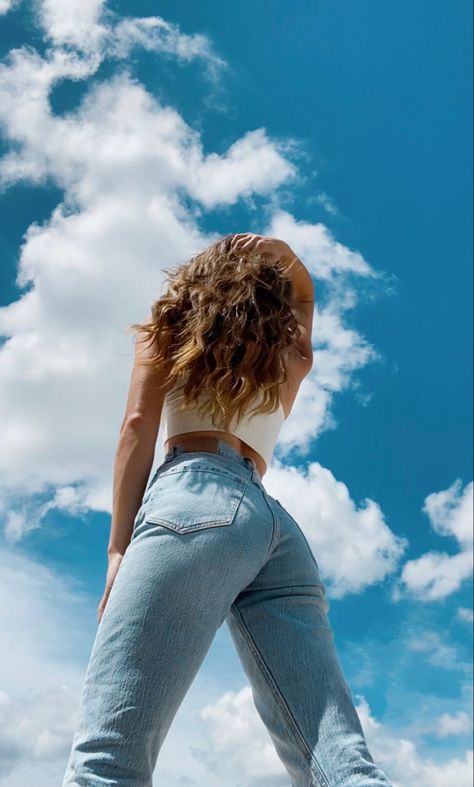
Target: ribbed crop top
259	431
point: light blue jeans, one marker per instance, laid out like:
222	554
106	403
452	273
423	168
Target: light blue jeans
210	545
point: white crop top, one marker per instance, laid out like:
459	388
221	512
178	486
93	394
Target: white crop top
259	431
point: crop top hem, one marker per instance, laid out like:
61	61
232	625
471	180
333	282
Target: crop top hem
259	431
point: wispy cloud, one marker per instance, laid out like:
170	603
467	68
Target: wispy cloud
465	614
405	764
450	724
353	545
8	5
92	28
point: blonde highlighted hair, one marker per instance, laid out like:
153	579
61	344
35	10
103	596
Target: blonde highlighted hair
223	328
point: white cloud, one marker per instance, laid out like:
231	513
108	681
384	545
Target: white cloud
453	724
154	34
73	22
251	166
339	351
237	742
96	31
439	653
40	667
235	733
8	5
403	762
327	203
465	614
353	545
435	575
323	255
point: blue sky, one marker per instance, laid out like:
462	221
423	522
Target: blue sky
132	135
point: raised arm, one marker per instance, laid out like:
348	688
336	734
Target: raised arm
303	286
278	250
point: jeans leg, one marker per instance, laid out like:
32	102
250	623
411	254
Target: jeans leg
282	635
170	595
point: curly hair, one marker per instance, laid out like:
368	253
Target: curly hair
222	328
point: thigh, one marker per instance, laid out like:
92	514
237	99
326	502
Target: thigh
152	638
284	640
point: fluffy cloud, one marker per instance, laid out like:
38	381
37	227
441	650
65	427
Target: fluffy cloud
339	351
353	545
435	575
453	724
236	735
237	742
73	22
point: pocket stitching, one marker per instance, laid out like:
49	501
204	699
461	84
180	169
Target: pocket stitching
236	499
156	520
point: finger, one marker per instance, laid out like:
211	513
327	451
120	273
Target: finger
243	236
238	235
240	241
245	244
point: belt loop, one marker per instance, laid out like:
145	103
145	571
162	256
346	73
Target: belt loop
171	453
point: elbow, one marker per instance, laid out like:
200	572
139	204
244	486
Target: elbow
134	422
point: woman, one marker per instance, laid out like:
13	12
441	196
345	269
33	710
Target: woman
221	357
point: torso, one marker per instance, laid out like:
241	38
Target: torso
296	372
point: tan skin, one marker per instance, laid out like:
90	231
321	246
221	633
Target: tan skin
296	373
139	429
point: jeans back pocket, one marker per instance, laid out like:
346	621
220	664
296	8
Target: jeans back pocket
194	498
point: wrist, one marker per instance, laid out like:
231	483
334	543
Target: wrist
113	553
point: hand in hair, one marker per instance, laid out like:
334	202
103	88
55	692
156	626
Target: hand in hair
278	251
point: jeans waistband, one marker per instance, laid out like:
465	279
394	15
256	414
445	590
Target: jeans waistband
222	449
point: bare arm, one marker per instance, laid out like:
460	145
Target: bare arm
133	458
136	446
303	290
303	286
132	465
278	250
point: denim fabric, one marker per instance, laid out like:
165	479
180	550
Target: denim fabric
209	545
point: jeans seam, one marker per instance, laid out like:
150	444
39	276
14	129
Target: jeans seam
316	770
275	524
308	545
